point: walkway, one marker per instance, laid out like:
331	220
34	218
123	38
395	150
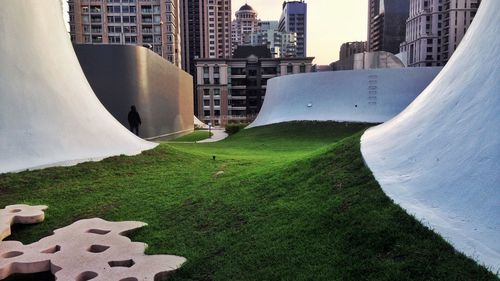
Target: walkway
218	135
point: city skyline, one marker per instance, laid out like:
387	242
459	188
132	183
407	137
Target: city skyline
330	23
324	40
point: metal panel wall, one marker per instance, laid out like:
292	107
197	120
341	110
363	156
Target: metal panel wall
125	75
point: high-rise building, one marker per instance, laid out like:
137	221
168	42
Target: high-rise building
281	44
246	22
151	23
350	48
435	28
294	19
193	45
206	31
386	24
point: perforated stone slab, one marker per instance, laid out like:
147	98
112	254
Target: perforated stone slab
88	249
19	214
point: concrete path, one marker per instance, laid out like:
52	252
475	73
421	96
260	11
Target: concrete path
219	134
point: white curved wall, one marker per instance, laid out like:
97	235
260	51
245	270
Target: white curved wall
440	158
48	112
372	96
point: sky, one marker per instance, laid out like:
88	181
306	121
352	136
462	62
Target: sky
330	23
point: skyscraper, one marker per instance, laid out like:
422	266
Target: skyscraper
153	24
294	19
246	22
206	31
434	30
386	24
281	44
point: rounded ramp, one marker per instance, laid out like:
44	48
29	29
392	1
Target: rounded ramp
440	158
48	113
371	96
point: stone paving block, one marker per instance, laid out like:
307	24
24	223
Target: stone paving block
19	214
90	249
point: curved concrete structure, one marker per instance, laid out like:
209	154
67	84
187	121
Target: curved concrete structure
48	112
372	96
440	158
125	75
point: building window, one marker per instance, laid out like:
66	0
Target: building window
206	81
302	68
206	92
205	69
216	92
289	69
216	69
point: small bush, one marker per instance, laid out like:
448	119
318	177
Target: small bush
232	129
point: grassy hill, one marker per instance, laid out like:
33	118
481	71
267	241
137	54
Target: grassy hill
292	201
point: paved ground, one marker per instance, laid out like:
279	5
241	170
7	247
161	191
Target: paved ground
219	134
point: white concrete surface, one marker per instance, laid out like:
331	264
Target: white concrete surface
372	96
440	158
19	214
48	113
199	124
88	249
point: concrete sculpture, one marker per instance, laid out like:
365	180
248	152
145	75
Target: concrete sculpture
440	158
372	96
125	75
88	249
19	214
48	113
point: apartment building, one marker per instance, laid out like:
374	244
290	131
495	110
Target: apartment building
350	48
386	24
233	90
150	23
281	44
435	28
294	19
246	23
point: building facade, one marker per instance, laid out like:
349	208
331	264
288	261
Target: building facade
294	19
386	24
435	28
233	90
246	23
281	44
150	23
350	48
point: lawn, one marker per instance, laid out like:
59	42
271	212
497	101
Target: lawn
291	201
197	135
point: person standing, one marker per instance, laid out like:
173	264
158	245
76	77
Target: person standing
134	120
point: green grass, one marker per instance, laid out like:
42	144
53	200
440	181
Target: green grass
295	202
195	136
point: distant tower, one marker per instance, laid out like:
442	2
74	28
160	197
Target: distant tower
246	23
435	29
206	31
153	24
386	24
294	19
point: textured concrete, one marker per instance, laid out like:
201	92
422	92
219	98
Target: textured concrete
372	96
49	114
19	214
440	158
125	75
88	249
